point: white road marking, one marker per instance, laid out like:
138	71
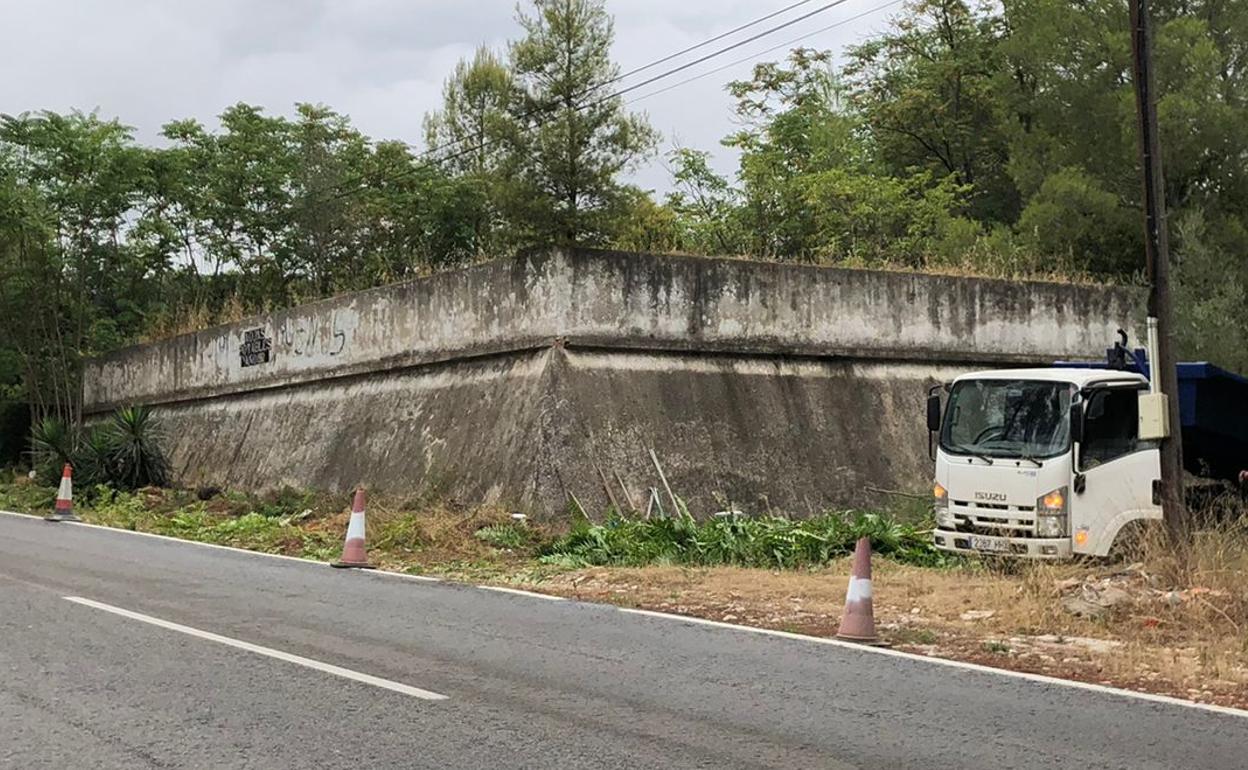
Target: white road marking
299	559
521	592
1041	678
316	665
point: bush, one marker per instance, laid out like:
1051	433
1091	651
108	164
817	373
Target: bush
124	453
766	541
133	456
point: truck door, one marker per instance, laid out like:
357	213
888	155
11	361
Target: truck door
1117	470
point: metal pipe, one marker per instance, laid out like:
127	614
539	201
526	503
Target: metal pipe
1154	381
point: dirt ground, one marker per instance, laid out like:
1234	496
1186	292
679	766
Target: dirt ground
1145	639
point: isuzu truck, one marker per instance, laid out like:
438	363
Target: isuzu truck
1063	460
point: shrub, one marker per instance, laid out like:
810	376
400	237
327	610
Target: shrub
765	541
132	443
124	453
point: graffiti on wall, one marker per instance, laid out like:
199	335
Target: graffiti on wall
256	348
308	337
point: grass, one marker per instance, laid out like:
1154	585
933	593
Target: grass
770	542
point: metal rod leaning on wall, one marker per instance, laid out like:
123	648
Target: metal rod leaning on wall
632	505
663	478
606	487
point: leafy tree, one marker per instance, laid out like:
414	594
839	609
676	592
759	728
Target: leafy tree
925	91
468	138
794	125
476	99
706	206
572	138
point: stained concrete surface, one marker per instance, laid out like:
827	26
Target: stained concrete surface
527	381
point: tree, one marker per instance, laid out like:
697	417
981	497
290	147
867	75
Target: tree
464	135
467	137
72	284
572	139
794	125
706	206
925	91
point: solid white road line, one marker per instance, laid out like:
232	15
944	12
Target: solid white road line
284	557
521	592
1164	699
1041	678
316	665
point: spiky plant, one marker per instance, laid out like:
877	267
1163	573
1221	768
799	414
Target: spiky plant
53	441
135	455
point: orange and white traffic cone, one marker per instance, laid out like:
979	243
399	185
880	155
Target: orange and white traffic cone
354	554
858	620
64	509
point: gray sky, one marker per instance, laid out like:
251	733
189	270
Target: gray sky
380	61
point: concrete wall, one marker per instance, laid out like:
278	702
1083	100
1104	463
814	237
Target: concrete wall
527	380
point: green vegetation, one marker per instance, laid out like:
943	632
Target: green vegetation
995	139
125	452
511	536
251	523
766	541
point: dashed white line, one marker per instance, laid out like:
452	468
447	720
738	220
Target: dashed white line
316	665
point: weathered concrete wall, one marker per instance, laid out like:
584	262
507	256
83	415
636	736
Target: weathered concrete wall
524	380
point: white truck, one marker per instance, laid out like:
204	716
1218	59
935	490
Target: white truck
1049	463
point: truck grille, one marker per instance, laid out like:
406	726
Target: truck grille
994	519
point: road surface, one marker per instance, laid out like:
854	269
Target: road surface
171	655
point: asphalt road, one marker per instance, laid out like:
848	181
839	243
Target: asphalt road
526	682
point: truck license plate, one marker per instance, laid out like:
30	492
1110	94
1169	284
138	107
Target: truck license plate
986	544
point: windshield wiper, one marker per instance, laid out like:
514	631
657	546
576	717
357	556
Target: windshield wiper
1031	460
970	452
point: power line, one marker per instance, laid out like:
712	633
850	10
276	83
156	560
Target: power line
705	43
764	52
614	95
644	67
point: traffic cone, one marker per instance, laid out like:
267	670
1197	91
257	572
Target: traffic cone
353	552
858	620
64	510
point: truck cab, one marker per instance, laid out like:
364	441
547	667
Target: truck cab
1041	463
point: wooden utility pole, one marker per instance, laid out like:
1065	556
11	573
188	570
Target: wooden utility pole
1157	252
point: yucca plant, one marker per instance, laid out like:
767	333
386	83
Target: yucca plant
135	456
54	442
93	457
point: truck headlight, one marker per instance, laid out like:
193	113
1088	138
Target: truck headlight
1053	514
940	504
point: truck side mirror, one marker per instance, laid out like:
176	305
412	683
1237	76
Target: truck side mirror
933	412
1076	423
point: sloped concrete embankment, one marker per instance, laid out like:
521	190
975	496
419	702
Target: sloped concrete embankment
529	381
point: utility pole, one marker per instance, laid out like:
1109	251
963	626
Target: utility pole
1157	251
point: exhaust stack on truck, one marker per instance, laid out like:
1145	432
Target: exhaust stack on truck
1058	461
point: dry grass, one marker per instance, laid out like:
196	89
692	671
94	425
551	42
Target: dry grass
1011	618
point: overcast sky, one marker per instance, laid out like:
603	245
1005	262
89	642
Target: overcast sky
380	61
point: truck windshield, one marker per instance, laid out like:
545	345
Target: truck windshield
1008	418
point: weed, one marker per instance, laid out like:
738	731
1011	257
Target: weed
914	636
765	541
510	535
996	647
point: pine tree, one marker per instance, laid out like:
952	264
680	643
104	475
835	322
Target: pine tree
573	139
